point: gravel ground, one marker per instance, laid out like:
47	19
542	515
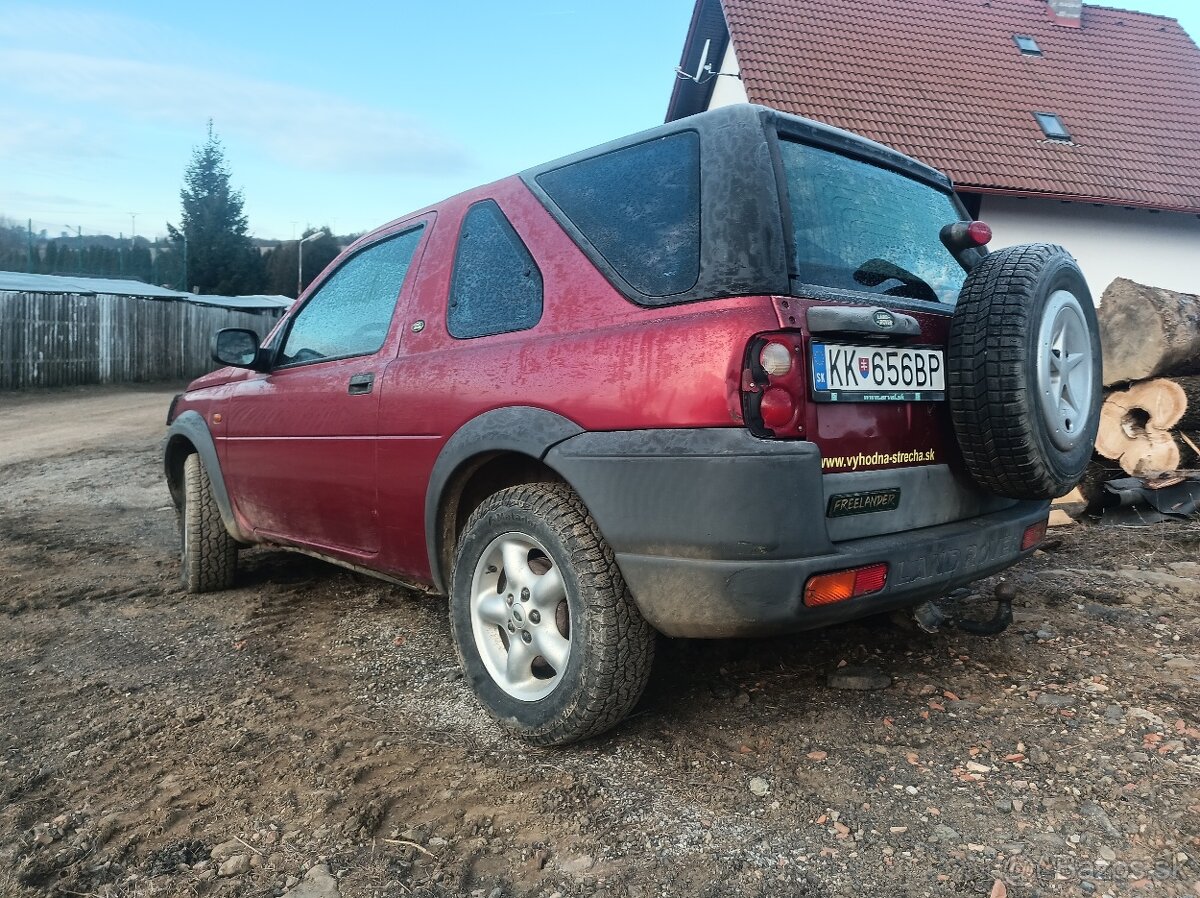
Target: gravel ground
309	730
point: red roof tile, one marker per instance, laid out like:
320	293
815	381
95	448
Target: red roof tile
944	82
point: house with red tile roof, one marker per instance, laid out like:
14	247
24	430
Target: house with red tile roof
1058	121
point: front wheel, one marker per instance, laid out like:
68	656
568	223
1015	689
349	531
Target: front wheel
208	554
548	634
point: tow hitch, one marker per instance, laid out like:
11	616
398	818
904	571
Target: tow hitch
945	612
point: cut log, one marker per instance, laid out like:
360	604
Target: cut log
1059	518
1135	427
1189	423
1155	405
1145	331
1189	451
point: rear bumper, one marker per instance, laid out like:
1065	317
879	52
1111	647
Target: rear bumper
716	532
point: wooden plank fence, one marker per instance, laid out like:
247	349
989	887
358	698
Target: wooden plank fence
60	339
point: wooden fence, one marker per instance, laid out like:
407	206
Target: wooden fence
59	339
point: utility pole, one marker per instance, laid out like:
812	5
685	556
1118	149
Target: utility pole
29	247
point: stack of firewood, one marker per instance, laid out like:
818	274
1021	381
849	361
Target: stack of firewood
1150	421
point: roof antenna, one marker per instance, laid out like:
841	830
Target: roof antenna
705	67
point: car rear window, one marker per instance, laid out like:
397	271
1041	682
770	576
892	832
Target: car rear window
640	208
861	227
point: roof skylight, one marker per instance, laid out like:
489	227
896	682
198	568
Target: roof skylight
1027	45
1052	126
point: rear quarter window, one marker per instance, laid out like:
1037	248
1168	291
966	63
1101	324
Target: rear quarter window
640	208
496	287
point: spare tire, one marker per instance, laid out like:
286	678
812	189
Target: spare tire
1023	372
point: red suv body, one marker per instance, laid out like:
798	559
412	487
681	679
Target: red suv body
634	325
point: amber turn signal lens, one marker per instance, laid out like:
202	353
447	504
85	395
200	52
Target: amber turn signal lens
825	589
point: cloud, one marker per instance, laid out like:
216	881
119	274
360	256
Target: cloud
308	128
25	135
50	201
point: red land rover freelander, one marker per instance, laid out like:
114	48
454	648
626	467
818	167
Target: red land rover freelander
740	374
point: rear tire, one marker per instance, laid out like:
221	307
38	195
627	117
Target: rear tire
208	554
1023	372
548	635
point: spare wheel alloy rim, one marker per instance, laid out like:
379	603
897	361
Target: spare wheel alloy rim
1064	370
519	616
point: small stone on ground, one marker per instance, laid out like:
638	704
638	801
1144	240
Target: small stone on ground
861	678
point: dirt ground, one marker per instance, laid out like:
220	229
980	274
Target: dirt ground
309	730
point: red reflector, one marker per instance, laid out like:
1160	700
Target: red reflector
870	579
1034	534
825	589
979	233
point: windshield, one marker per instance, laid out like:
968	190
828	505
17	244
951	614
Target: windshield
861	227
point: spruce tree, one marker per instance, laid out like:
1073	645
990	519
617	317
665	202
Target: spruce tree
220	257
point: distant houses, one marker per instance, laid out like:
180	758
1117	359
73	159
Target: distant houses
1059	121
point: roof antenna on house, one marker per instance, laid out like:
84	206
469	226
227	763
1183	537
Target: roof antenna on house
705	67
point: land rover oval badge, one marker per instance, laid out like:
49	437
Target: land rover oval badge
884	318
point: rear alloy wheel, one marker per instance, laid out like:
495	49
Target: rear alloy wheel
1023	372
548	635
208	554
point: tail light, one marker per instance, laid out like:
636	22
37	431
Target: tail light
1034	534
773	385
837	586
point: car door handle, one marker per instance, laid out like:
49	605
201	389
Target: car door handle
361	383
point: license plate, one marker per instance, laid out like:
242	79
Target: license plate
877	373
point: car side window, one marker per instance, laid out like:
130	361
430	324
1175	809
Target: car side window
351	312
496	287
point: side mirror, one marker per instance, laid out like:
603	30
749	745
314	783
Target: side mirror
236	346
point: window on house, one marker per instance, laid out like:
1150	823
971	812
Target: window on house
1052	126
496	287
1027	45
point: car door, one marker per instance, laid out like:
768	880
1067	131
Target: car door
300	454
460	356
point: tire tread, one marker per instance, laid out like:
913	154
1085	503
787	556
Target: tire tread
209	560
988	373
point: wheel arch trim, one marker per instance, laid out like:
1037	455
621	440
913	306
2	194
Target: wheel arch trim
523	430
191	430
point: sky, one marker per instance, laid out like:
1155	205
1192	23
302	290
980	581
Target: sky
341	114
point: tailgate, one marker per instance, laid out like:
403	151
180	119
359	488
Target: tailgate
876	409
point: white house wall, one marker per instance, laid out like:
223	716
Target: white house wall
1161	249
728	90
